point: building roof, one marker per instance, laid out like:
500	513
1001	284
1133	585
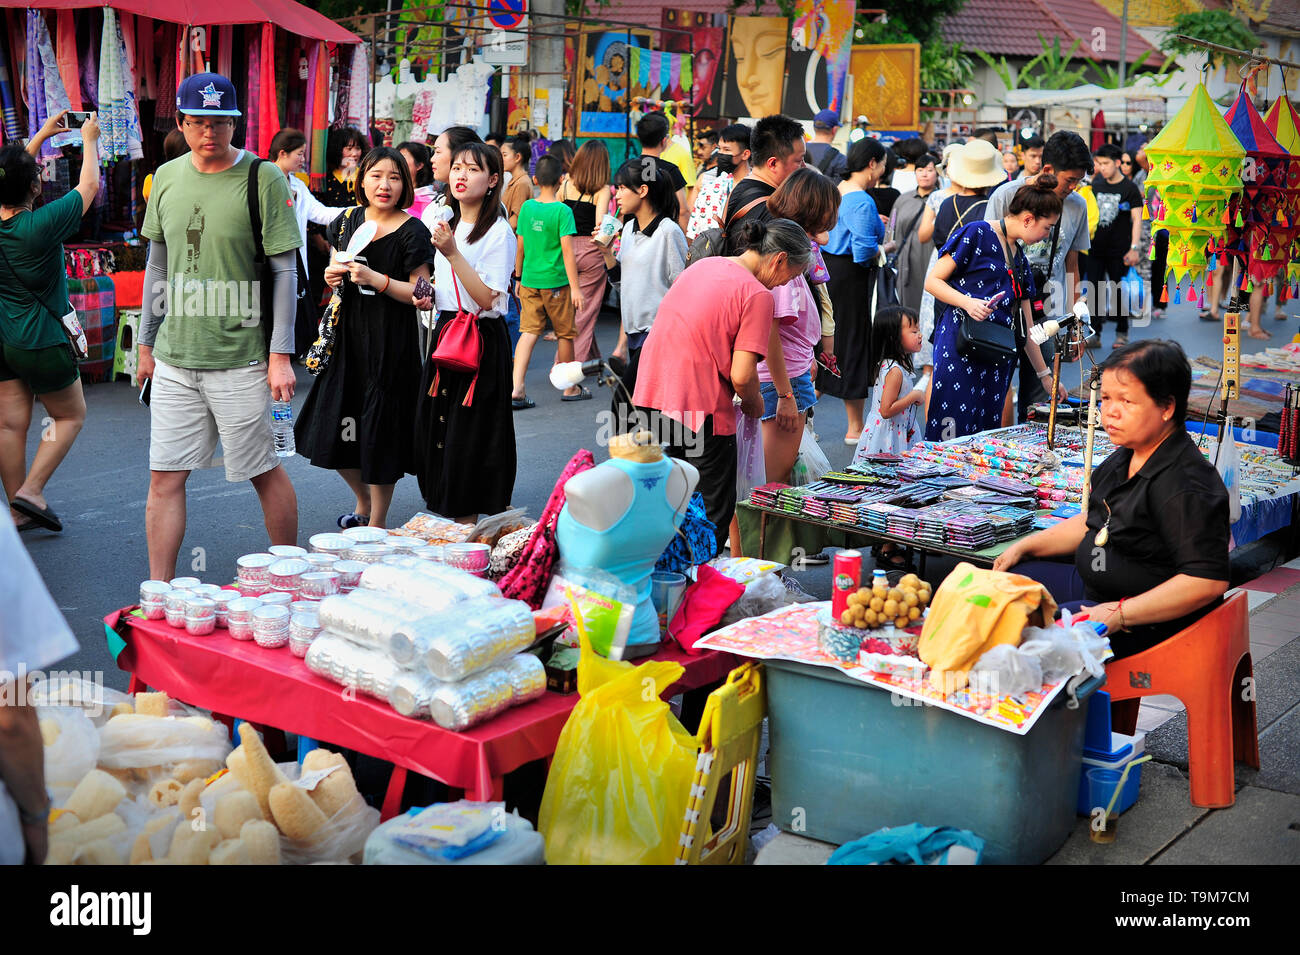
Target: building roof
1011	28
652	14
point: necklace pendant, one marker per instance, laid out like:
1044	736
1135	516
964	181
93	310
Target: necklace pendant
1103	535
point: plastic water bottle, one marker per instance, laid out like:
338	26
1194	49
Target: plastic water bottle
282	428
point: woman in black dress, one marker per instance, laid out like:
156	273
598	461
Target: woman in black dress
464	429
361	410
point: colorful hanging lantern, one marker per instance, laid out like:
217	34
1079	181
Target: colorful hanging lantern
1284	123
1268	208
1196	168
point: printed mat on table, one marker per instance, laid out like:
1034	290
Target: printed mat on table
790	633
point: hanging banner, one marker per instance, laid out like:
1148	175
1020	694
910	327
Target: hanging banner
887	85
821	47
707	41
756	52
604	68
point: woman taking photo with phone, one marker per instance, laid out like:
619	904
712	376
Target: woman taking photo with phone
37	359
360	413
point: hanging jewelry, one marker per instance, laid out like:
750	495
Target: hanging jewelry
1103	535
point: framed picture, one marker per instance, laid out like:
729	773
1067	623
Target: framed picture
807	90
604	79
887	85
756	51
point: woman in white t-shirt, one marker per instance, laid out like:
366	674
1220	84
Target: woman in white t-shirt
465	432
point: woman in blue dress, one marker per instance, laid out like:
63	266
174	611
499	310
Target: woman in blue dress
978	262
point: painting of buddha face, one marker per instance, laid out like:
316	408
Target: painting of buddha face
756	65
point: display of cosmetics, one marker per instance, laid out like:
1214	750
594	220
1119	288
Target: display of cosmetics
364	669
432	586
153	594
271	626
466	639
367	617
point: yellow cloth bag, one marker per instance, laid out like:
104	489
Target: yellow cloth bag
973	611
622	771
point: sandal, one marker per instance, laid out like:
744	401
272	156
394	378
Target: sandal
582	395
522	404
40	516
827	361
353	520
1207	316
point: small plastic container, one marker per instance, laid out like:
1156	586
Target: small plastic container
299	646
309	607
349	572
206	590
271	626
335	545
153	609
184	583
429	552
396	559
223	601
174	607
200	625
239	617
365	535
369	553
152	596
305	626
200	607
318	584
285	575
283	551
405	545
474	558
276	598
255	569
320	562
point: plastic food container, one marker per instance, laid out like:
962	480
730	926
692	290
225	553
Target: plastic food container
174	607
322	561
206	590
286	550
299	646
200	626
349	572
152	596
405	544
430	552
255	568
336	545
200	607
365	535
276	598
239	617
286	574
271	626
310	607
317	584
185	583
474	558
368	553
304	626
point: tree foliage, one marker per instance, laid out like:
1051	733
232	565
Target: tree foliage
1214	26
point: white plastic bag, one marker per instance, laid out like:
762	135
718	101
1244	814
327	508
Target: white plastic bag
812	464
763	594
1006	671
1065	651
133	741
751	468
1226	462
72	746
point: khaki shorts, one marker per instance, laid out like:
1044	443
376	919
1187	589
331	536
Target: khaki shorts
189	410
536	305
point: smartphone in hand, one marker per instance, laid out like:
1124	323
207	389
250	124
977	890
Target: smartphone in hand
145	391
74	119
996	299
423	288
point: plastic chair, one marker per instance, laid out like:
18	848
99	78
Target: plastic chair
1208	667
126	355
729	735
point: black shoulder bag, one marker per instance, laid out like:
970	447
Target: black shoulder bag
987	342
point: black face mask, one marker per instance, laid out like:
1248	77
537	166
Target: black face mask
725	163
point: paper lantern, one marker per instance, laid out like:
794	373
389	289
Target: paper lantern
1268	203
1195	168
1284	123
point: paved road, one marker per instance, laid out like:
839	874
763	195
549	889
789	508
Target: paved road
96	565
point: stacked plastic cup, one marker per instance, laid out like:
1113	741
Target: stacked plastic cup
349	572
283	551
174	607
255	574
223	599
200	616
152	596
239	617
271	626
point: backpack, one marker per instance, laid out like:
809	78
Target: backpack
713	241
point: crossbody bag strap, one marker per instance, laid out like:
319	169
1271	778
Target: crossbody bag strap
744	210
29	290
255	210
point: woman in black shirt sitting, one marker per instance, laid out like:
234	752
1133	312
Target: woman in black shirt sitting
1153	548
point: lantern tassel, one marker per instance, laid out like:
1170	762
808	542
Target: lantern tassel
1177	295
1201	300
1193	212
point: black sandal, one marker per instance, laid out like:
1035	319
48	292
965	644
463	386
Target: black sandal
40	516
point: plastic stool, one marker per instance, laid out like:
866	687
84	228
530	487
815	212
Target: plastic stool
729	735
124	359
1208	667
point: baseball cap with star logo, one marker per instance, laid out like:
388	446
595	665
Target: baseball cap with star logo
206	94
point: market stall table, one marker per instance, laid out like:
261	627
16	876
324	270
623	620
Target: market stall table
275	688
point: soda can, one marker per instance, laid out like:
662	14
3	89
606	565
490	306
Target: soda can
846	577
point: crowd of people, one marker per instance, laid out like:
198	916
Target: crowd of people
765	270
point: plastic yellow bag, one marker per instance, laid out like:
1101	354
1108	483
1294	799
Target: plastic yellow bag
622	770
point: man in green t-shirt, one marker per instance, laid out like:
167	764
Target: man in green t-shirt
201	340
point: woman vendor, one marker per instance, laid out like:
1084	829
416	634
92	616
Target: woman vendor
1153	548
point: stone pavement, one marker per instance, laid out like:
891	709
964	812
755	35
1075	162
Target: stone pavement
1163	827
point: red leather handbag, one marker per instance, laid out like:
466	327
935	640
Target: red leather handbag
459	347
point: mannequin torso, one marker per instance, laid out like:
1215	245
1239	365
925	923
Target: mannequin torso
599	497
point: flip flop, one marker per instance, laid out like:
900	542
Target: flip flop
40	516
522	404
26	526
582	395
353	520
1207	317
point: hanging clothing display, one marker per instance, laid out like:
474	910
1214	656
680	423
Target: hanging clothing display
356	111
253	101
268	111
165	110
225	49
88	48
146	67
119	123
45	93
11	125
318	82
67	54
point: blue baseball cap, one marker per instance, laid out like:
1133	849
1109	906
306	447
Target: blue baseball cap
827	119
207	94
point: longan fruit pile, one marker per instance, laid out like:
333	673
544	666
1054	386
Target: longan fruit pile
877	606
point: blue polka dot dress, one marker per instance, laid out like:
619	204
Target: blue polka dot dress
967	395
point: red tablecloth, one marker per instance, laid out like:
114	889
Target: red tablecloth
275	688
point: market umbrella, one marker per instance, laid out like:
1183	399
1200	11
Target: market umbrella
1284	123
1195	168
1267	209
